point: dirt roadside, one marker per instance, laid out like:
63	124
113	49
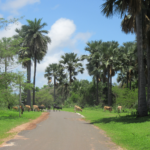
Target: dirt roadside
26	126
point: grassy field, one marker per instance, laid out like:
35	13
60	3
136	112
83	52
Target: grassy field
127	131
10	119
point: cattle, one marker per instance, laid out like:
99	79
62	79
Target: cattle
15	107
119	108
82	107
28	107
56	107
35	107
41	107
49	107
77	108
108	108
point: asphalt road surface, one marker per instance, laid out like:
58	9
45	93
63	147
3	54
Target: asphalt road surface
62	131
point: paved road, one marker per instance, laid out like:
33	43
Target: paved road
62	131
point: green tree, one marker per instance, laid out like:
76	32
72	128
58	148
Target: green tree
71	62
136	9
37	40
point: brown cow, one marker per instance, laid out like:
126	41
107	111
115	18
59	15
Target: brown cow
28	107
119	108
15	108
35	107
108	108
77	108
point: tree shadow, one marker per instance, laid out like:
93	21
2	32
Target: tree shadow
122	119
9	117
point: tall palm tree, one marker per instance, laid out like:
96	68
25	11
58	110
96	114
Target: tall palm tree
71	62
37	40
52	71
135	8
94	61
23	54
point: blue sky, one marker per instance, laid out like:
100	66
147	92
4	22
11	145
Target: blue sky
70	24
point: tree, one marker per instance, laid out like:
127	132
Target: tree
25	55
72	64
51	71
37	40
135	8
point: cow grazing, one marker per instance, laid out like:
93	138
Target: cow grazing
28	107
77	108
35	107
15	108
108	108
119	108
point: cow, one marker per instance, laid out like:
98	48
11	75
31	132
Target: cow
28	107
41	107
15	107
49	107
119	108
77	108
56	107
108	108
35	107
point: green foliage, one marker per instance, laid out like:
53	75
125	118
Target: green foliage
125	97
74	97
43	97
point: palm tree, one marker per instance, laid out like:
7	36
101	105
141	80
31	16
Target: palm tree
94	61
37	40
72	64
52	71
135	8
23	54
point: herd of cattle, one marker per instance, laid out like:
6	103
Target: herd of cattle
36	108
55	107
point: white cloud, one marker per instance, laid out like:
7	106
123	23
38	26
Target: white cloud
9	31
14	5
62	34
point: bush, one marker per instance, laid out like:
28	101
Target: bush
126	97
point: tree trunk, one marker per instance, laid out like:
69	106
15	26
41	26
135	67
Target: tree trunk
108	86
34	79
29	81
97	91
110	90
70	76
54	89
148	76
142	106
127	78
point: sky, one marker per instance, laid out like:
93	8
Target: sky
71	24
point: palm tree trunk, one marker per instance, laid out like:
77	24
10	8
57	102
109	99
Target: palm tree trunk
34	79
97	90
142	106
108	86
148	76
127	78
70	76
29	81
54	88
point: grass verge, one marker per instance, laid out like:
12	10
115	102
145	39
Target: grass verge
10	119
126	131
